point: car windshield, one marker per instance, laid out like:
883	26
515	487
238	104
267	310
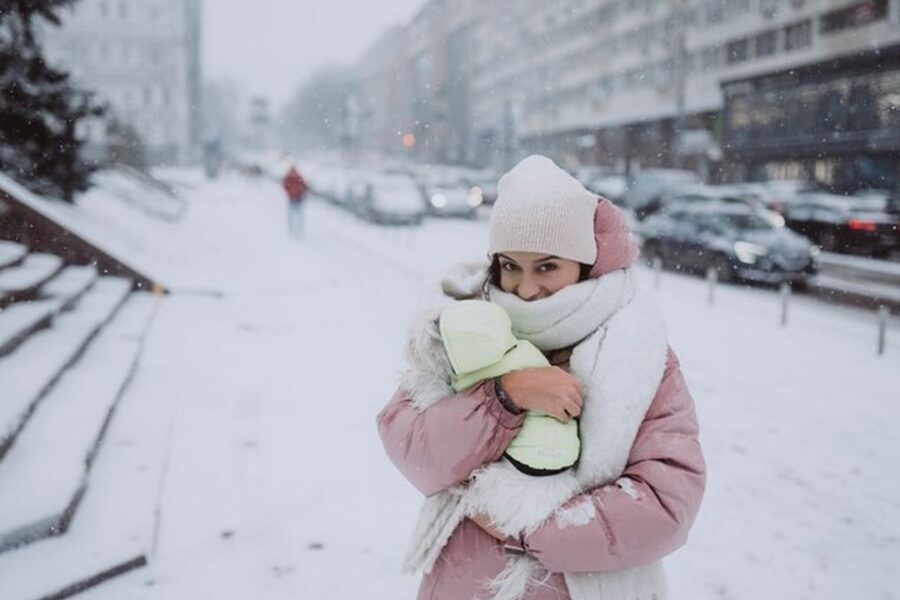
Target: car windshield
741	221
397	185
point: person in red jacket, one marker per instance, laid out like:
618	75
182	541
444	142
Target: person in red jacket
295	187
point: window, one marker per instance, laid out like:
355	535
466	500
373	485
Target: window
768	8
767	43
736	7
714	13
738	51
711	57
798	35
855	15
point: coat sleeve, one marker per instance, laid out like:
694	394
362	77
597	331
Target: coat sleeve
647	513
441	446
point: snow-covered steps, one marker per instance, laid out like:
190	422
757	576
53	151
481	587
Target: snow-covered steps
27	276
113	530
45	473
21	319
11	253
70	284
29	372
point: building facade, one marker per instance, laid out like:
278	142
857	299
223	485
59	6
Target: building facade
142	58
383	92
630	83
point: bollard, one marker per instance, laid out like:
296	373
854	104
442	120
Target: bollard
712	277
785	292
882	328
657	271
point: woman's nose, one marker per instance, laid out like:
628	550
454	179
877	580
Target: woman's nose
528	289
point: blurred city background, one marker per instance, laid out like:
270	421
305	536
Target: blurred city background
178	308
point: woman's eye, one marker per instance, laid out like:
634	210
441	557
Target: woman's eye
547	267
508	266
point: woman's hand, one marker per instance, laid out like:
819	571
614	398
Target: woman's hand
484	521
550	390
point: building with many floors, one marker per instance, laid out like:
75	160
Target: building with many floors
142	58
637	83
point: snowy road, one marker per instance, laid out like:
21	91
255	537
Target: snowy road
276	483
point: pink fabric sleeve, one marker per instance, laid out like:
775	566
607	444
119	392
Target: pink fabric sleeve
643	518
442	445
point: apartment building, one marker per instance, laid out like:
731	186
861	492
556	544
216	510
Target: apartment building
637	83
141	57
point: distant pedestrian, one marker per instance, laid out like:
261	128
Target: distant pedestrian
295	187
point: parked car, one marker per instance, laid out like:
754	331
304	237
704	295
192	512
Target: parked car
702	194
388	199
840	224
739	242
588	173
878	199
452	199
611	187
335	185
648	187
778	195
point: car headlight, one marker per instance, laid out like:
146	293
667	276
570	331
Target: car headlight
439	200
814	251
777	219
476	197
748	253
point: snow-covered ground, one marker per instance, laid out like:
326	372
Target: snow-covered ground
274	356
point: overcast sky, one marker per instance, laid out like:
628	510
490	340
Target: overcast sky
270	46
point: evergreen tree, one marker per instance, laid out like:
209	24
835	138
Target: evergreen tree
39	108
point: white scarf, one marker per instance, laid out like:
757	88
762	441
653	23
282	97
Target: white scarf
619	357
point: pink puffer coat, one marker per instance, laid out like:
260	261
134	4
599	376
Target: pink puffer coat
634	524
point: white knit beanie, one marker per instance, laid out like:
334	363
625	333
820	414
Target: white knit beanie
541	208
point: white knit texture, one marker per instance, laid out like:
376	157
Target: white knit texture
541	208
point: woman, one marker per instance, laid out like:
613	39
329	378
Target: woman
561	267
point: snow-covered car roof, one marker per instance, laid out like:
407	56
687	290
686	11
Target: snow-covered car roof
395	193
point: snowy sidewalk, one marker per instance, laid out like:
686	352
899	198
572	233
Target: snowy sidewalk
277	355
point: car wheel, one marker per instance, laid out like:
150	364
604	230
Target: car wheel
724	269
828	241
650	252
800	285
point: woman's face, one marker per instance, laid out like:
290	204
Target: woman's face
532	275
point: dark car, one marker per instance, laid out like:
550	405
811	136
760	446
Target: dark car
740	243
841	224
702	194
650	185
